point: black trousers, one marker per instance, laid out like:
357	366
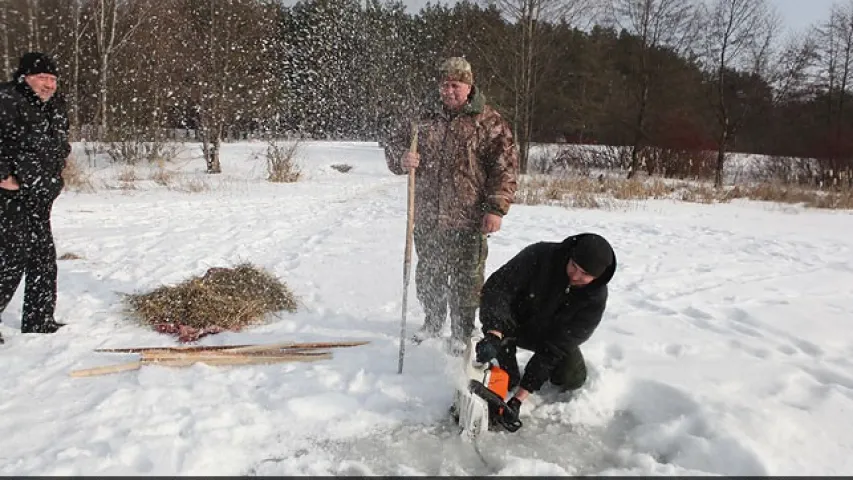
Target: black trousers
570	374
27	250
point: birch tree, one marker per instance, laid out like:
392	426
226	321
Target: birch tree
115	23
739	35
527	56
656	24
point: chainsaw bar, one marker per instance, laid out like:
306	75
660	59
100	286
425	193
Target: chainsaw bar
495	400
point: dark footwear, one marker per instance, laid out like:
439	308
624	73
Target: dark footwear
1	339
455	347
49	326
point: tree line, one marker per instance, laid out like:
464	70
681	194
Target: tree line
670	80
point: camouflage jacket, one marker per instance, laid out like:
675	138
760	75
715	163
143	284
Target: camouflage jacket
468	165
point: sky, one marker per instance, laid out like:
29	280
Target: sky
801	14
796	14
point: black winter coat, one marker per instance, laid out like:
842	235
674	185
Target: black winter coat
528	299
33	141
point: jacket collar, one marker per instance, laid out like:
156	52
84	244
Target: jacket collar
28	93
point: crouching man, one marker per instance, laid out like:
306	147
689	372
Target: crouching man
548	299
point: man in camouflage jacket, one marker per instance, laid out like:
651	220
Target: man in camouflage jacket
465	181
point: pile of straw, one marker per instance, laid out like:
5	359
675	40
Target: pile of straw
221	299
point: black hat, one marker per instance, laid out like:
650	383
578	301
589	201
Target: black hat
593	254
33	63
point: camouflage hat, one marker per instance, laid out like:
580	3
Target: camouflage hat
457	69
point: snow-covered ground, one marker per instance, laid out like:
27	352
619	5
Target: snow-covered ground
725	348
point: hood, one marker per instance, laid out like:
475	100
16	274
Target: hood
567	248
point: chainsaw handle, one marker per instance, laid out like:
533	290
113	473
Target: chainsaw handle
511	423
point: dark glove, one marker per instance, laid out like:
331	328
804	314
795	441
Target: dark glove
487	349
510	417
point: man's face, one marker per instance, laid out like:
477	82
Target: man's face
44	84
454	94
577	276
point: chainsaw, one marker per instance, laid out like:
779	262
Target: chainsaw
478	403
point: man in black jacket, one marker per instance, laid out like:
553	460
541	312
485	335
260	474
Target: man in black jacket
33	150
549	299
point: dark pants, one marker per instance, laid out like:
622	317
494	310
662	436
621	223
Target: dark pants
27	248
570	374
450	272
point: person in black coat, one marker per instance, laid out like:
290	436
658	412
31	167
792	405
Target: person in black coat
33	150
549	299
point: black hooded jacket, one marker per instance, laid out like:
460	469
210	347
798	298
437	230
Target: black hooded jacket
33	140
528	299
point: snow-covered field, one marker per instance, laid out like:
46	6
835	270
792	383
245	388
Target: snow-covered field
726	347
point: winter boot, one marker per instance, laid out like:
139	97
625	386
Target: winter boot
49	326
455	347
425	333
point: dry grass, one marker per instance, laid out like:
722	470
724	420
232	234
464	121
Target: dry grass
70	256
77	177
128	175
221	299
281	163
613	193
161	176
584	192
841	199
191	185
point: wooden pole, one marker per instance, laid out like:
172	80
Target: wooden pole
407	263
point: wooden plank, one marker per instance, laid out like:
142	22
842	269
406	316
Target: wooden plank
215	360
91	372
245	347
156	356
236	360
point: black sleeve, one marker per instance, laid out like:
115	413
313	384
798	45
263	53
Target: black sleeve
502	287
63	126
8	135
574	330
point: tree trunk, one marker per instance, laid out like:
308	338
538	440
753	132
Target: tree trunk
5	24
75	70
213	164
721	153
33	40
640	125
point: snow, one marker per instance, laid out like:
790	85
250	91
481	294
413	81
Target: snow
724	349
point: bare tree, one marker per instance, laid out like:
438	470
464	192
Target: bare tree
789	71
32	25
116	21
231	67
835	73
4	23
78	30
739	34
527	57
656	23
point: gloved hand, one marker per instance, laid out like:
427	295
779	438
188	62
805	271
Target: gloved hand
487	349
511	416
